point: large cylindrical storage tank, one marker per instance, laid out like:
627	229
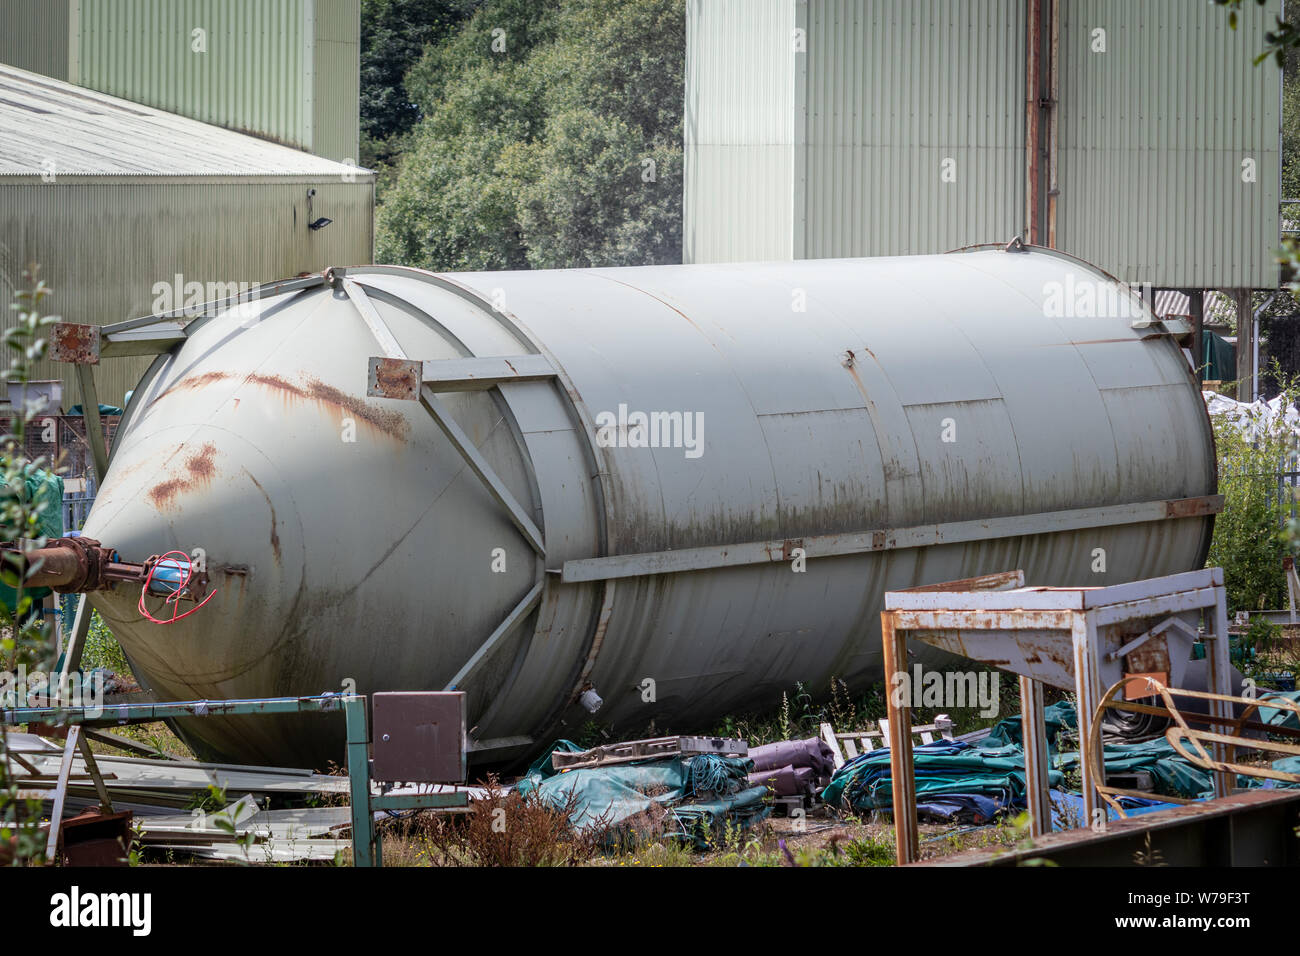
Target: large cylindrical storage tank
895	421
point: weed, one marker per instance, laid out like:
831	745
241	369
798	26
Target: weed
506	828
1148	856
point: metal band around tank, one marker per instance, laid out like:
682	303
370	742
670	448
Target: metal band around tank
823	546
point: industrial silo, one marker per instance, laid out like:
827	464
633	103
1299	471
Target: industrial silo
678	489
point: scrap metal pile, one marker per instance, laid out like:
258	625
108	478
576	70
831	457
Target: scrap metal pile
160	795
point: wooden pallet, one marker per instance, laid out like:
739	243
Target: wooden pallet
846	745
652	749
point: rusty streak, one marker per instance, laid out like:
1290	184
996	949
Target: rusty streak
391	423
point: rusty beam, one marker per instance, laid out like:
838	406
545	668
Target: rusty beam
1033	118
902	773
1256	828
1033	735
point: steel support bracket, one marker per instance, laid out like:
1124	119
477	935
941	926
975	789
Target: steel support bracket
402	378
75	344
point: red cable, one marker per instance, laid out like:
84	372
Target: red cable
186	568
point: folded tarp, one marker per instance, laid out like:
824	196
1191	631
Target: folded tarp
949	774
1280	716
792	767
1056	717
945	767
785	781
696	794
1068	812
813	753
973	808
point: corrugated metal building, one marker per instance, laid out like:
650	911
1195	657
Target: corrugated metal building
286	70
127	208
826	128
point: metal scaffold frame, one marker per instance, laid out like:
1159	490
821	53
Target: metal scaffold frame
367	847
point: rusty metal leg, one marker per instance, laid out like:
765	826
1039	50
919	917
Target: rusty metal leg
1221	683
94	428
901	770
1087	696
92	768
61	794
1033	732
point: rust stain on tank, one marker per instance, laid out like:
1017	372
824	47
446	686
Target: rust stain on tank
199	471
275	534
391	423
191	384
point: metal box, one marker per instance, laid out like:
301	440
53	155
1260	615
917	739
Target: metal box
94	838
419	737
47	395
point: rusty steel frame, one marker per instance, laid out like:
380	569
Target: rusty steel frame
995	604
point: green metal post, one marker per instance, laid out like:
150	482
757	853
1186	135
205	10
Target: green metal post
363	820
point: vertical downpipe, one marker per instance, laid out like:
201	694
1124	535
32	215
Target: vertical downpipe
1033	125
1053	91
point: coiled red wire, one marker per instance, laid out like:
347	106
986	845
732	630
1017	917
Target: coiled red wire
186	567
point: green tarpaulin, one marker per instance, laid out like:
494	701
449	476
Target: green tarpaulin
1219	357
992	772
696	794
42	488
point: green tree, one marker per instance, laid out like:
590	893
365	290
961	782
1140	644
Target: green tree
550	137
394	34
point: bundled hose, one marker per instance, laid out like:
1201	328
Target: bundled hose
184	571
713	773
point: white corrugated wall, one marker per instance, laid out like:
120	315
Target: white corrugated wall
738	130
1153	134
103	245
906	133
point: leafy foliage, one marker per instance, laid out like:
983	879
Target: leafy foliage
394	34
1248	540
1281	42
25	640
551	137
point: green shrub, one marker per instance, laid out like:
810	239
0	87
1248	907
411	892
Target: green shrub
1249	539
